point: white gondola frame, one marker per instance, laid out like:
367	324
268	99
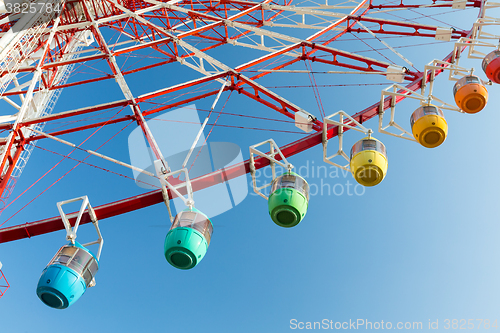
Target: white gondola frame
350	123
273	151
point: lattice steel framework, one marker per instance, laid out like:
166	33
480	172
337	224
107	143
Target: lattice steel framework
175	29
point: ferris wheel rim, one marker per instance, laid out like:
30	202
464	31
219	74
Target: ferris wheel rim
363	116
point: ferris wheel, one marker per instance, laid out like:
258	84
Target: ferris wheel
260	53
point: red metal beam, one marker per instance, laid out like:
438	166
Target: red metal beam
4	284
11	164
472	3
82	128
456	34
78	112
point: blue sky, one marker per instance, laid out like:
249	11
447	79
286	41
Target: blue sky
422	245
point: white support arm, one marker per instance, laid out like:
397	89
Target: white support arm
273	151
456	73
71	231
163	175
350	123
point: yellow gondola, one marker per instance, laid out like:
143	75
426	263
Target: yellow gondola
429	126
368	161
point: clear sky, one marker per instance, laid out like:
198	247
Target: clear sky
420	247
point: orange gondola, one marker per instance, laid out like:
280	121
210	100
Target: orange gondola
470	94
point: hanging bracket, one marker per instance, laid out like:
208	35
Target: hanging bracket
435	66
274	151
345	120
166	185
71	231
479	38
